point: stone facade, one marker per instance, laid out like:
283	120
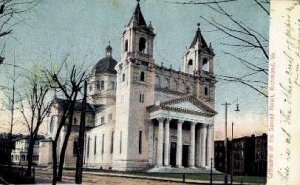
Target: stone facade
147	115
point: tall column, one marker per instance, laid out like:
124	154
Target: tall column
198	144
159	159
209	145
192	146
203	144
167	143
150	145
179	144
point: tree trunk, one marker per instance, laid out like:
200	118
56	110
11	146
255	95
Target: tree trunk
64	147
79	162
54	162
30	155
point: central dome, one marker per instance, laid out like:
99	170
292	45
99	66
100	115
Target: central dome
107	64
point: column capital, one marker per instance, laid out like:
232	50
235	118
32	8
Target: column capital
168	120
203	125
193	123
210	126
160	119
180	121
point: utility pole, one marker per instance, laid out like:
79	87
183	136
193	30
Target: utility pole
79	162
12	113
231	153
211	174
225	144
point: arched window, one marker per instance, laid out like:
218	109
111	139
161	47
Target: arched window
206	91
123	77
75	121
190	66
188	89
142	76
143	45
98	85
102	84
157	81
205	66
88	146
175	85
112	85
126	45
51	125
75	147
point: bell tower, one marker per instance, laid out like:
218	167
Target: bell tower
137	38
135	87
198	58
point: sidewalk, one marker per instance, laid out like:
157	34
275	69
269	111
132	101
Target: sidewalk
89	175
168	179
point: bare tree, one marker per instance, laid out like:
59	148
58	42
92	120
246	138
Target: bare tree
79	161
70	85
35	110
241	36
10	11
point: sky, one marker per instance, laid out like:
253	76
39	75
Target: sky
84	27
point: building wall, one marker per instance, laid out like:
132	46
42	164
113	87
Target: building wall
171	84
99	95
249	155
104	135
133	96
45	153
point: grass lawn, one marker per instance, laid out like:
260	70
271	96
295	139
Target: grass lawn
216	177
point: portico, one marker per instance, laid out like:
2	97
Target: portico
186	128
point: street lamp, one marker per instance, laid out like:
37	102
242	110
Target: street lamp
236	110
225	143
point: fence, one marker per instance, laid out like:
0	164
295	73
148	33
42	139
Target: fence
17	174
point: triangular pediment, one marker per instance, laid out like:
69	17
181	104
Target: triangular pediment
187	105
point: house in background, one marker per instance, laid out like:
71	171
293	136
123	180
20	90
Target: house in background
260	160
249	155
19	154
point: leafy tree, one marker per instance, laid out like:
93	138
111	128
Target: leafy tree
34	108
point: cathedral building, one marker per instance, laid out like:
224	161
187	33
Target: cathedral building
145	116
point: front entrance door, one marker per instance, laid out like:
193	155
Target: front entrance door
185	156
173	154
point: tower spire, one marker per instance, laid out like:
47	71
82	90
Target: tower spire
137	18
108	50
198	38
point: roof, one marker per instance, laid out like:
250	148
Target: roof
138	16
63	103
105	65
201	105
27	137
198	36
